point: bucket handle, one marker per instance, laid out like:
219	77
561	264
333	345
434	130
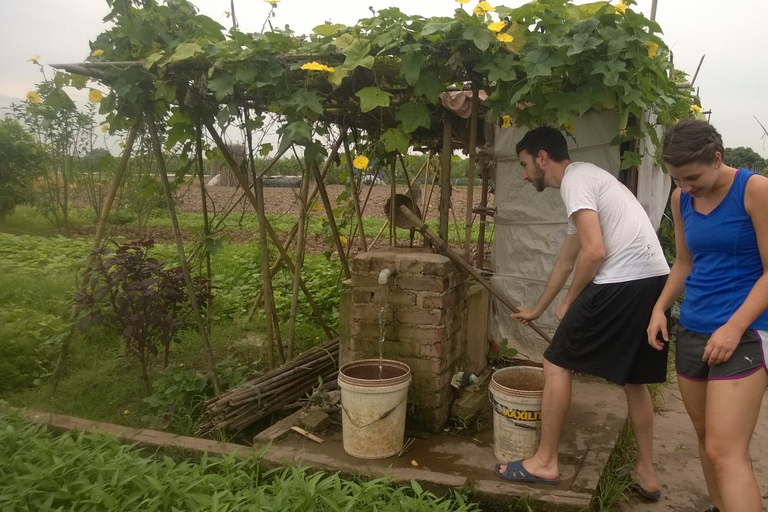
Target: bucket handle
500	409
384	415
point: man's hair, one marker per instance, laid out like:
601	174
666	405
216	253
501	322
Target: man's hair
544	138
691	141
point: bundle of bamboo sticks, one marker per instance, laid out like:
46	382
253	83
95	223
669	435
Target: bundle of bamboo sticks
244	405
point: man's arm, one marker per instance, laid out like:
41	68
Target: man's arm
566	260
592	256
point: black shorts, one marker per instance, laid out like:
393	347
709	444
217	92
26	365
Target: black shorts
748	357
603	333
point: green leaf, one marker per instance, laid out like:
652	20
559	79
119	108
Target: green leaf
481	36
344	41
630	159
357	54
372	97
327	30
165	90
395	139
412	115
305	99
436	26
410	67
500	67
222	86
429	86
152	59
540	61
264	149
610	71
185	51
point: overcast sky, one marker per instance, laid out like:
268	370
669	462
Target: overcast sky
733	81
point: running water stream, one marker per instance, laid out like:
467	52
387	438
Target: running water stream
383	289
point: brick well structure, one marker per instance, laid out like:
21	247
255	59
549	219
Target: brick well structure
425	324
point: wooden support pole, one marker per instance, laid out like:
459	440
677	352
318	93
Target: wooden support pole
269	298
441	246
392	206
355	197
302	224
445	177
180	249
472	160
331	219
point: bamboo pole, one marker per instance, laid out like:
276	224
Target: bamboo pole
480	262
331	218
303	193
252	199
266	283
180	249
204	201
441	246
472	160
392	206
101	227
355	197
445	177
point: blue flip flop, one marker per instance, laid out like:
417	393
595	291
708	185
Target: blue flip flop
516	472
635	487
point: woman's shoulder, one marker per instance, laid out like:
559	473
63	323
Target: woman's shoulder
756	193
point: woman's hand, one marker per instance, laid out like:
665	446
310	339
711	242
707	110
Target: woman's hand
721	345
657	330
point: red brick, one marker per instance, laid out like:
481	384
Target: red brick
361	263
370	329
370	313
434	350
416	334
428	265
442	301
362	295
365	281
420	316
422	283
401	298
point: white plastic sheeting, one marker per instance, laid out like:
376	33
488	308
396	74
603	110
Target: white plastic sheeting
530	226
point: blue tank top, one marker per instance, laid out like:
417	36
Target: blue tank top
726	260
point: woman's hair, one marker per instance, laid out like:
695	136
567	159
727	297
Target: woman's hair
544	138
691	141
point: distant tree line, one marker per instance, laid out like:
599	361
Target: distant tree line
746	158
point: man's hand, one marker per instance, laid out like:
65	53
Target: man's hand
525	315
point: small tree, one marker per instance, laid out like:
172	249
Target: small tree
141	297
746	158
20	164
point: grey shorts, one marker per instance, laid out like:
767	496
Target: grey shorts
748	357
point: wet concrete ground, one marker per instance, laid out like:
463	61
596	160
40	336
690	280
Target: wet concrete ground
447	460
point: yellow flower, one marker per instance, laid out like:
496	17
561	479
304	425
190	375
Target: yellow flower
316	66
462	2
496	27
414	463
34	97
695	108
504	38
94	96
482	8
360	162
272	2
568	125
317	207
34	59
97	52
104	128
652	47
620	8
343	240
506	121
126	412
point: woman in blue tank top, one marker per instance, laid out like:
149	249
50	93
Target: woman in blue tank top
721	236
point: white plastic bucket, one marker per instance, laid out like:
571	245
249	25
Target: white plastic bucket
373	407
515	394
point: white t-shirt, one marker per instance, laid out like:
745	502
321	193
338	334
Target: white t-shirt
632	248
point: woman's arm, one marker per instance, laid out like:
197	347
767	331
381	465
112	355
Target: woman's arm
675	281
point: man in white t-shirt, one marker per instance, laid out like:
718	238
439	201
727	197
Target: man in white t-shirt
620	272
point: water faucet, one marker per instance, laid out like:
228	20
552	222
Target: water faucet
385	274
